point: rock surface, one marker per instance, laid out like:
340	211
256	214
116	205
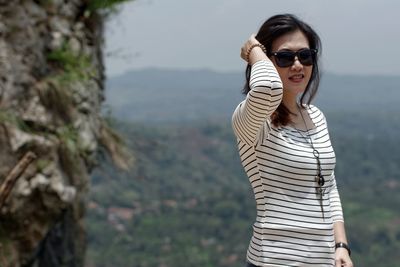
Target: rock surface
51	90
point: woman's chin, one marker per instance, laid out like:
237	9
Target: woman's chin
295	89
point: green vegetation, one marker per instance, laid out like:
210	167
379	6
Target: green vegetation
69	151
68	135
7	116
41	164
187	201
57	99
104	4
72	67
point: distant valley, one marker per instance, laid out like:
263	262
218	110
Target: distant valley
159	95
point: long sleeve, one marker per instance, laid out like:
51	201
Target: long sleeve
334	199
261	101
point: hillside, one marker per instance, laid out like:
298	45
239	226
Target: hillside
155	95
187	202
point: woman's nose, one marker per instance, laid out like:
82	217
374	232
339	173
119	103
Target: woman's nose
297	64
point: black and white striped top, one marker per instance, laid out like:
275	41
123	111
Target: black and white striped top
290	229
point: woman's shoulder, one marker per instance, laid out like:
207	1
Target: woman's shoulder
314	109
315	113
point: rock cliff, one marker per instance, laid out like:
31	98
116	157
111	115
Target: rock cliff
51	91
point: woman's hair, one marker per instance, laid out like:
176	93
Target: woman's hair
274	28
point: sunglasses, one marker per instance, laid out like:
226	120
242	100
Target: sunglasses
286	59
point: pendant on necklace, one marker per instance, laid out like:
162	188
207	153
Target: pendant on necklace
320	181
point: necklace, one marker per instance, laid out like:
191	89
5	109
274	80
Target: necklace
319	178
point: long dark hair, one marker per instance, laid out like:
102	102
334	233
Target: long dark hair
274	28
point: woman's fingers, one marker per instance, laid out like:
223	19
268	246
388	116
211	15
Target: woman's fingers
252	40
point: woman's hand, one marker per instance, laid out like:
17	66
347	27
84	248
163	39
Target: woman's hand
256	52
342	258
251	41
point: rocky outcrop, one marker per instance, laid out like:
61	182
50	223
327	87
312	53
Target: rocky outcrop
51	90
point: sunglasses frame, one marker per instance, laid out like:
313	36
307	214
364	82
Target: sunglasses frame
294	54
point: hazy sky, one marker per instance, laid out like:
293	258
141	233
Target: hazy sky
358	36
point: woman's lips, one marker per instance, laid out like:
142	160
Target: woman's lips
296	78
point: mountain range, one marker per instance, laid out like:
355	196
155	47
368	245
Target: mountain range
163	95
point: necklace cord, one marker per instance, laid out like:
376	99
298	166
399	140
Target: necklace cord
319	178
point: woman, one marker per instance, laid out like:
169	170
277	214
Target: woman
285	150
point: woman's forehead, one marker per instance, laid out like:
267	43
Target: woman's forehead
290	41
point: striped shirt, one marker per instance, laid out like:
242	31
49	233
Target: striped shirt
294	225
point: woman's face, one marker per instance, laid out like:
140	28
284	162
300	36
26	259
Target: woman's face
295	77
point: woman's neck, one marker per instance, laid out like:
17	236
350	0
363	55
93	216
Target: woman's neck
290	102
299	120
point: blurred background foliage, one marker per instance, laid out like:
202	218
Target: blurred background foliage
187	201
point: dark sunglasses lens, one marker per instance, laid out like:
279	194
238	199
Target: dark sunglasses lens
306	57
285	59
